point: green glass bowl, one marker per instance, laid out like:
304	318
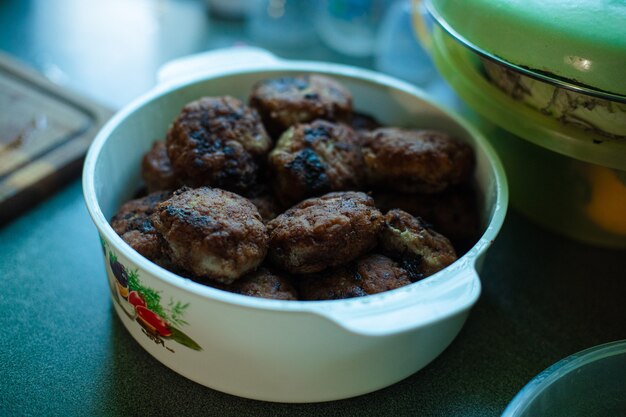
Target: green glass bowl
560	177
591	383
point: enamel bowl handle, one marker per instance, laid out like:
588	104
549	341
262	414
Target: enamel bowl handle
425	304
214	61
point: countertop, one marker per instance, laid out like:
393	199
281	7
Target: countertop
64	351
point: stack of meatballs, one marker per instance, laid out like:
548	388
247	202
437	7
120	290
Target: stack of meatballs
295	196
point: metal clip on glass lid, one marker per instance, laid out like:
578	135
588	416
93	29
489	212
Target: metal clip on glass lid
579	45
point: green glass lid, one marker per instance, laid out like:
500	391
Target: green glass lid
577	44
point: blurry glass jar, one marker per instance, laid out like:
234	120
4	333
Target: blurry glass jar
397	52
350	26
281	23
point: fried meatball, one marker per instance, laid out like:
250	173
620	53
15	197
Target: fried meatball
420	250
213	233
156	169
134	224
286	101
323	232
334	284
219	142
453	213
265	283
413	161
313	159
378	273
371	274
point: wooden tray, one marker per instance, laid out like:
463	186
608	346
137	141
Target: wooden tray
45	131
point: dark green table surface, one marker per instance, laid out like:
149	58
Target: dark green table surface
64	352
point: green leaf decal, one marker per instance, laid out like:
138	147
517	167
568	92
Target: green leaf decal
183	339
177	311
133	281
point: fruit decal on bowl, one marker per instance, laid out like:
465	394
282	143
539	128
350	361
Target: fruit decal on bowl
142	304
121	276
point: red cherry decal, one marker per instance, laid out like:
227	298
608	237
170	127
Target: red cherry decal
153	320
136	299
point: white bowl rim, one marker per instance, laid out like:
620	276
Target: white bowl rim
466	262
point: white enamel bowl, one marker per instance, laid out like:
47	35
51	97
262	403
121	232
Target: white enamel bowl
287	351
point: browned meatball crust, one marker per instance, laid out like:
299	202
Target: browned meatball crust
370	274
134	224
156	169
420	250
453	213
265	283
213	233
333	284
312	159
379	274
218	141
286	101
415	160
323	232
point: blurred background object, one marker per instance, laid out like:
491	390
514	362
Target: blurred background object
230	9
350	26
90	46
397	51
94	46
281	23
